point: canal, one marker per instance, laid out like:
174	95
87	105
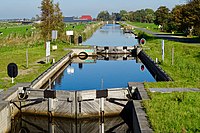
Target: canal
114	71
96	73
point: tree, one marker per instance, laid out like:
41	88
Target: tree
103	16
59	25
149	15
162	16
51	17
124	15
194	10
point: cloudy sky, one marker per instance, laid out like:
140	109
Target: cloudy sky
29	8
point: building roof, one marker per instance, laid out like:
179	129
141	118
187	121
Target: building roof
86	17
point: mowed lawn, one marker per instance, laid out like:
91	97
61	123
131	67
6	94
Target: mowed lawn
36	54
177	112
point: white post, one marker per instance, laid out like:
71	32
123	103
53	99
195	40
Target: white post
102	115
102	105
47	51
51	105
12	80
101	128
163	50
156	60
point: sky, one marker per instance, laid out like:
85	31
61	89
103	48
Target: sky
10	9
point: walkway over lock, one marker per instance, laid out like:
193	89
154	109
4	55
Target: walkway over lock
106	50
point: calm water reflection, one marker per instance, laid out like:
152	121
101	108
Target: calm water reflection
111	35
98	74
31	124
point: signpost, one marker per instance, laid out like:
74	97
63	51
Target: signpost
12	71
70	33
47	51
163	50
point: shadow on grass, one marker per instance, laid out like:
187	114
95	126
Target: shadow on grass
41	62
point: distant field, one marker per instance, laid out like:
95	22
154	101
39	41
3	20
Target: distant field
16	29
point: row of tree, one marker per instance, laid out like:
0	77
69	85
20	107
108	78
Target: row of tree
143	15
182	18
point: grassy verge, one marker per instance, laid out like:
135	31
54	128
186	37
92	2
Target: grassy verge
13	49
36	54
185	70
174	112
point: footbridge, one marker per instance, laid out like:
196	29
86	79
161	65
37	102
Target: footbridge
95	50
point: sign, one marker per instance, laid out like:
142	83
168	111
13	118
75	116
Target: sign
142	41
49	94
101	93
47	49
54	34
69	33
12	70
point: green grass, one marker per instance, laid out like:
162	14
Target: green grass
174	112
177	112
149	26
14	50
16	30
186	68
17	55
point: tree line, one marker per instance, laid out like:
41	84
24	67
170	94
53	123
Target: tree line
182	18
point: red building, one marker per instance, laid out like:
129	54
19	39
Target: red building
86	17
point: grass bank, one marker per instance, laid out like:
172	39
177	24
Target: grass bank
177	112
183	66
174	112
36	57
13	50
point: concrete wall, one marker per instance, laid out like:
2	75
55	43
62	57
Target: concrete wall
44	77
153	68
7	109
5	117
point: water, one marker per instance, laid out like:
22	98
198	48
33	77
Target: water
101	74
33	124
111	35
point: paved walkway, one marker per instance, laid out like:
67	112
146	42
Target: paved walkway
169	90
